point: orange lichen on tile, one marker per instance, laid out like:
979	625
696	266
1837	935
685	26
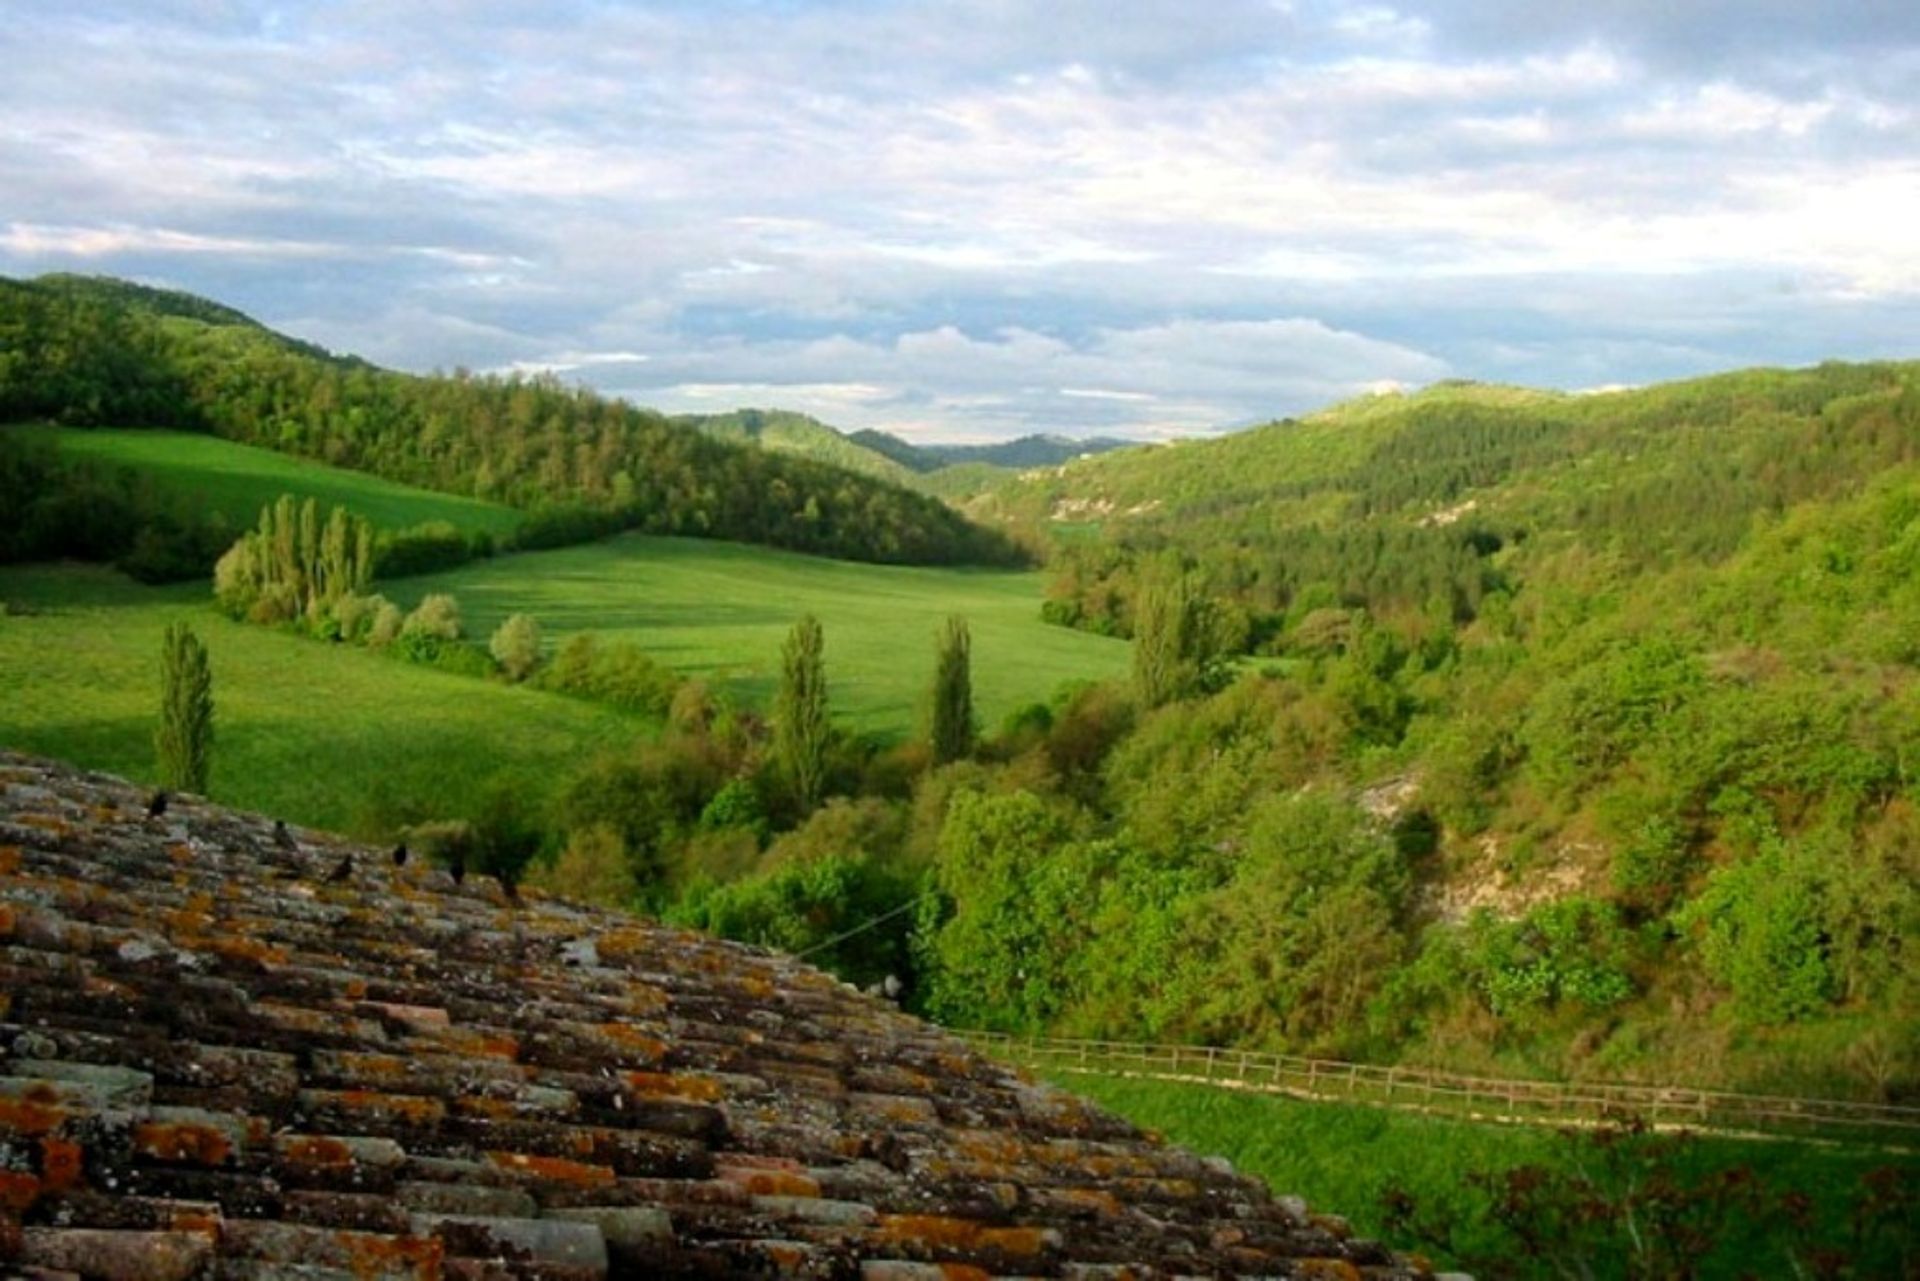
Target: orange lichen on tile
412	1108
674	1085
551	1169
628	1037
294	1018
18	1191
481	1043
181	1141
941	1232
9	918
45	823
1326	1270
767	1176
240	948
1091	1200
368	1255
9	859
316	1151
61	1163
356	989
186	922
33	1114
180	852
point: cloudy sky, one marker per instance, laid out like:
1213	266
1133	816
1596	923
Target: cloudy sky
974	220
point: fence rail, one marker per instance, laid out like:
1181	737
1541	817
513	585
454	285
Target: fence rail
1430	1090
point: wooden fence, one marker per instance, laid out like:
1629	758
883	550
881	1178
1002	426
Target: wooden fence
1486	1098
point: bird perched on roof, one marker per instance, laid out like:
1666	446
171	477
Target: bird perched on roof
157	806
400	854
458	867
282	837
342	872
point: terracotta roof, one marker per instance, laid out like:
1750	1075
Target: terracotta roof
217	1061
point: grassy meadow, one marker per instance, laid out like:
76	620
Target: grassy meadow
721	610
326	735
1344	1158
238	480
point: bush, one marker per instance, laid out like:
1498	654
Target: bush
516	646
433	624
384	629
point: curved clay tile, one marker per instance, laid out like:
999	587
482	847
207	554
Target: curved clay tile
217	1061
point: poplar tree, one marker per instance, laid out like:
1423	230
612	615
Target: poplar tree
800	725
953	722
184	741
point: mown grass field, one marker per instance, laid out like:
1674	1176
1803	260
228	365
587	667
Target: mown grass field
325	735
721	610
1344	1158
238	480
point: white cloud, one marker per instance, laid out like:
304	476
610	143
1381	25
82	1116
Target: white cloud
991	217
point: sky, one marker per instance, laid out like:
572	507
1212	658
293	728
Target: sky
971	221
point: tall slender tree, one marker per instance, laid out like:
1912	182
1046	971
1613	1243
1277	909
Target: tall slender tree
800	724
184	741
953	722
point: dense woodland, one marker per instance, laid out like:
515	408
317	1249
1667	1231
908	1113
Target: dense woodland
1570	735
87	351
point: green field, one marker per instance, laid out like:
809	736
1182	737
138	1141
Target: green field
320	734
238	480
721	610
1343	1158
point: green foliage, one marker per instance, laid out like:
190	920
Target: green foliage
1573	951
997	938
801	728
619	674
184	742
1174	645
516	646
1762	935
953	723
433	625
736	805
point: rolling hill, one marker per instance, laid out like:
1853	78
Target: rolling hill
721	610
90	352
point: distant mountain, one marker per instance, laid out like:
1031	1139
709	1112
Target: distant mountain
785	431
1025	452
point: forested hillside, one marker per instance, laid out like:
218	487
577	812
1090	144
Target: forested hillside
1429	502
87	351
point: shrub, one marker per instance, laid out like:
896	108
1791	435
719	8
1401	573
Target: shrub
516	646
433	624
384	629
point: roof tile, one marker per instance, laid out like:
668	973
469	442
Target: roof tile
214	1062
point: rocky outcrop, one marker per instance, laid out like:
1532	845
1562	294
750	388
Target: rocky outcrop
226	1055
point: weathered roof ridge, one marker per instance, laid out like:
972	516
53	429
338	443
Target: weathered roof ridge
216	1060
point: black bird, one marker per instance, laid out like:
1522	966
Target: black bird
400	854
282	837
458	867
157	806
342	872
